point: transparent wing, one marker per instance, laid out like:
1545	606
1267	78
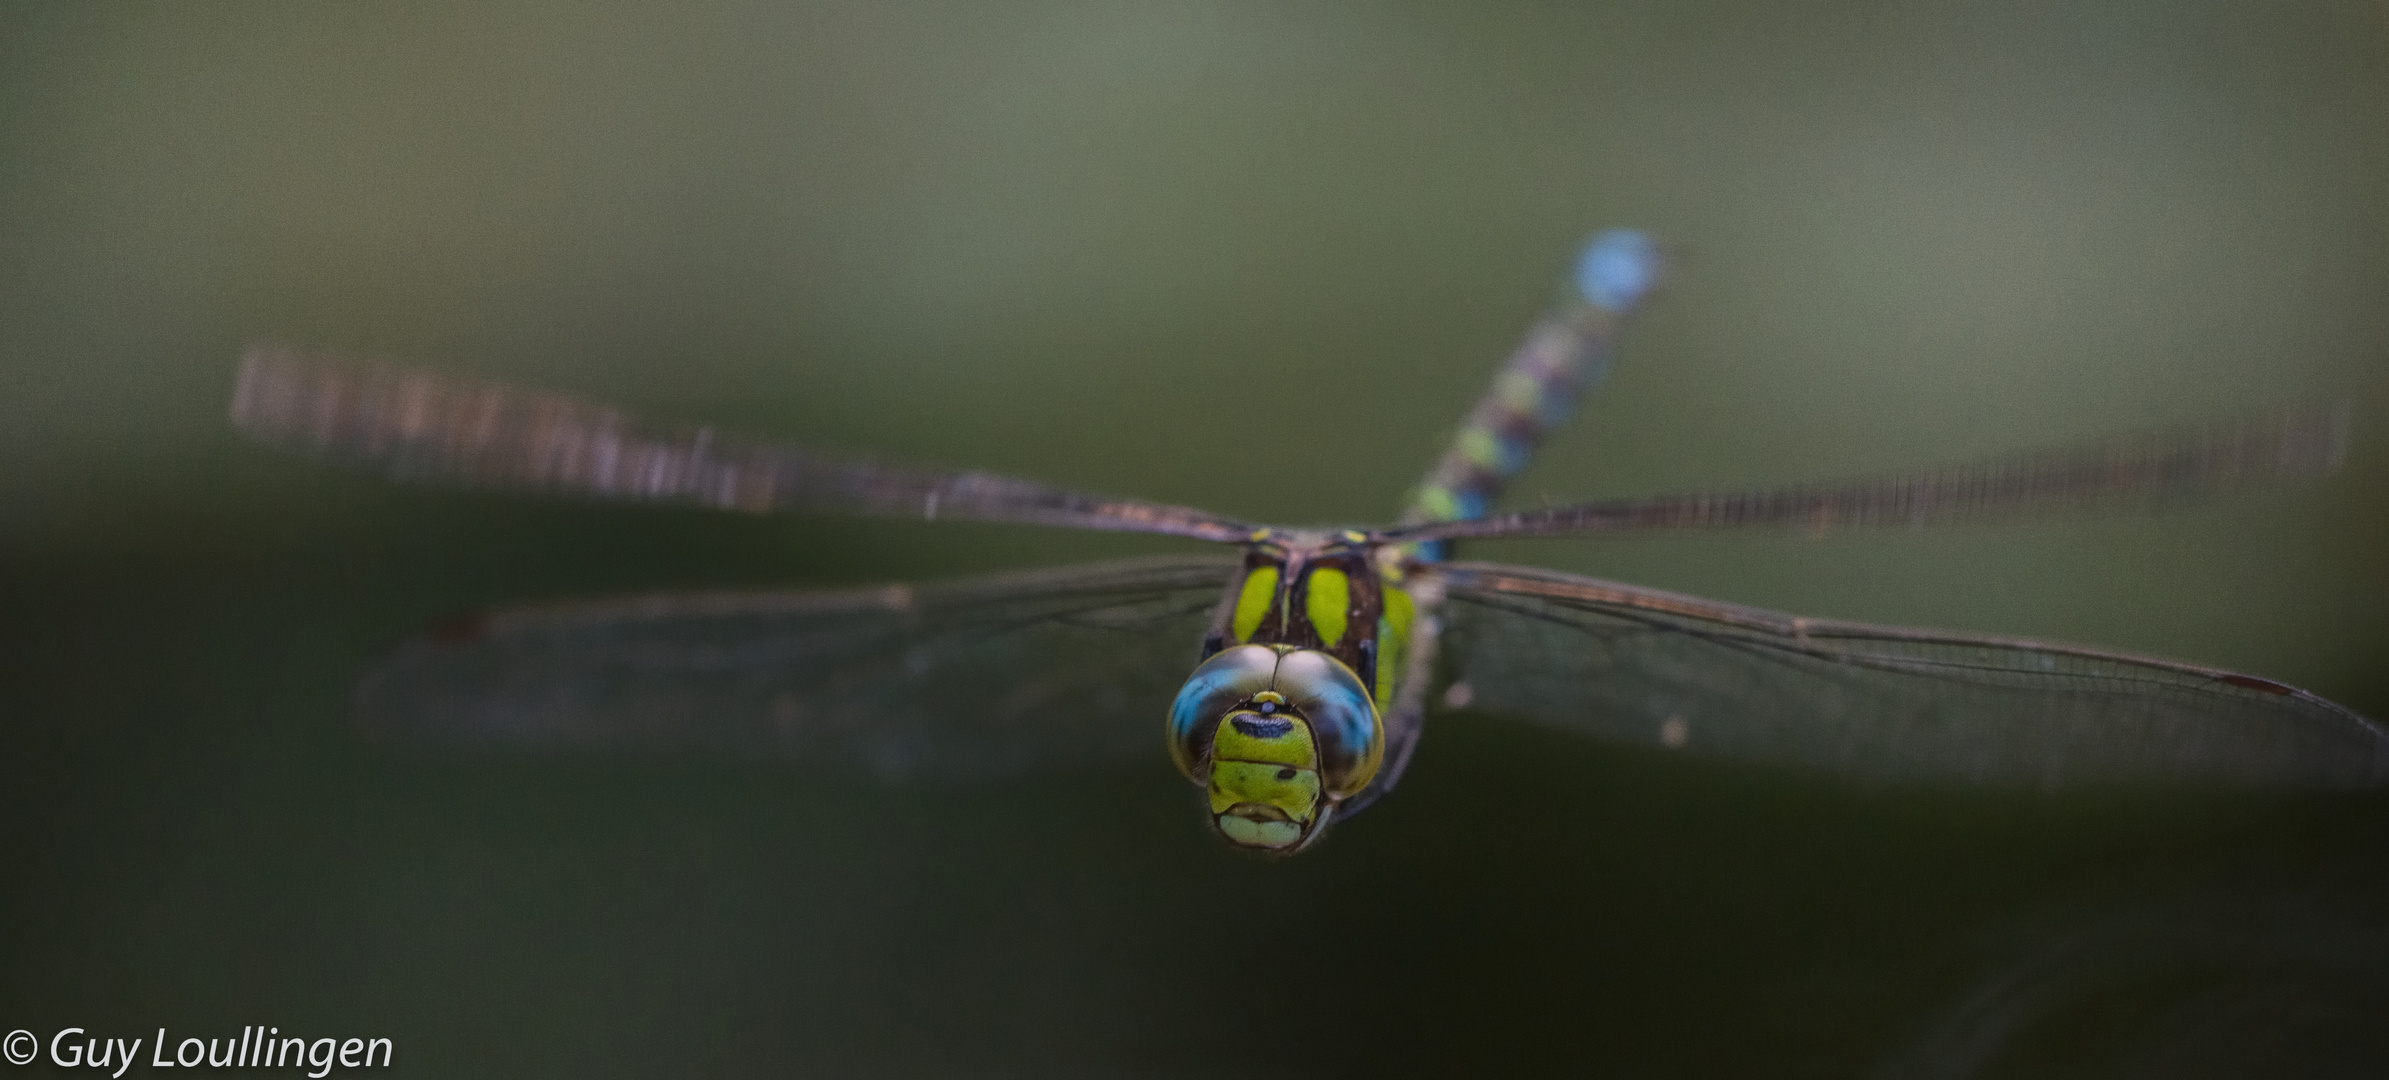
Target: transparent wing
2151	467
1644	666
420	426
982	677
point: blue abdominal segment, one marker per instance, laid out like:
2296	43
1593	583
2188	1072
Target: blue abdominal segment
1618	268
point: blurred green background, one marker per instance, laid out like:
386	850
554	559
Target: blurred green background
1248	257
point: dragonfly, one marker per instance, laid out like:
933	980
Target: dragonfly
1317	654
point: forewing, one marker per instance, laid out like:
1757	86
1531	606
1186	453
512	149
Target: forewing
421	426
1644	666
981	677
2145	469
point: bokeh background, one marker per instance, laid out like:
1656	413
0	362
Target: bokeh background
1248	257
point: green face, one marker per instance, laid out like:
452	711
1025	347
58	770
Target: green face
1265	790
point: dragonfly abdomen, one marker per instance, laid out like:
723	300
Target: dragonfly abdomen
1535	390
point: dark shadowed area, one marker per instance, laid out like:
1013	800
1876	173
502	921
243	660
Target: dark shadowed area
1254	258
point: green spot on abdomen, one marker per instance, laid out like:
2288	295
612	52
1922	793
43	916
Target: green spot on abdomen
1435	502
1482	449
1519	393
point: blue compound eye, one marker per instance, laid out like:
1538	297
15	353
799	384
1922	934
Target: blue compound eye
1618	268
1234	675
1342	718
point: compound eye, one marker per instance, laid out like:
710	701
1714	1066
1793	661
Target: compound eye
1228	679
1343	719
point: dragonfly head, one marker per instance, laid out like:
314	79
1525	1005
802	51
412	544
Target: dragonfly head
1276	736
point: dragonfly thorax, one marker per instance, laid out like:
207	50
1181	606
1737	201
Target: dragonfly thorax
1277	736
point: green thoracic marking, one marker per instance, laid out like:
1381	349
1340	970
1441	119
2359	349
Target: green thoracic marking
1252	605
1393	639
1326	594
